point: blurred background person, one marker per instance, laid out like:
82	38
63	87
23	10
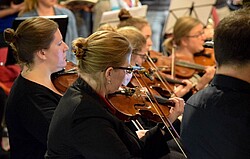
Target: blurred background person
48	8
140	23
157	14
188	38
222	9
108	5
8	12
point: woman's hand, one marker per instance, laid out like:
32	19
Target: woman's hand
206	78
17	7
141	133
177	110
181	90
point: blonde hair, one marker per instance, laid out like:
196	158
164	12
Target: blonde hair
127	20
181	29
29	5
32	35
99	51
107	27
134	36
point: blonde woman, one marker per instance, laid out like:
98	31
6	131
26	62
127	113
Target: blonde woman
188	38
84	124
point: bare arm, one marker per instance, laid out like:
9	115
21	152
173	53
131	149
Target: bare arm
14	8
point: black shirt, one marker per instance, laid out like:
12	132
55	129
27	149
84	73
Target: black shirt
29	109
216	120
84	126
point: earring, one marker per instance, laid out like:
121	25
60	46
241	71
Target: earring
109	82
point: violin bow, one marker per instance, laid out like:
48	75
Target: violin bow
163	80
173	62
159	111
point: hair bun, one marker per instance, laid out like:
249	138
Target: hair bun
124	14
9	35
80	48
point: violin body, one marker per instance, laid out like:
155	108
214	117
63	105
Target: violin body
205	57
125	105
64	78
130	106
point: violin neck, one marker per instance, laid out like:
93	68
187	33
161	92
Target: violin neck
174	81
162	100
190	65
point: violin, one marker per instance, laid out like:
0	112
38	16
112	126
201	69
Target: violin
64	78
139	99
184	68
151	106
129	103
159	81
128	111
205	57
156	85
137	104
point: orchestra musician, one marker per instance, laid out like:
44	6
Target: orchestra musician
138	57
138	43
187	39
85	124
33	98
139	54
142	24
215	123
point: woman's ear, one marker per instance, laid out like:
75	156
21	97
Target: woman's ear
108	73
41	54
184	41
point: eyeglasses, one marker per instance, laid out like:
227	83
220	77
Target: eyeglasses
127	69
144	56
197	35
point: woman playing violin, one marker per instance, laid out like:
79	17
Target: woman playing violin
141	24
33	97
84	124
139	58
188	39
138	42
